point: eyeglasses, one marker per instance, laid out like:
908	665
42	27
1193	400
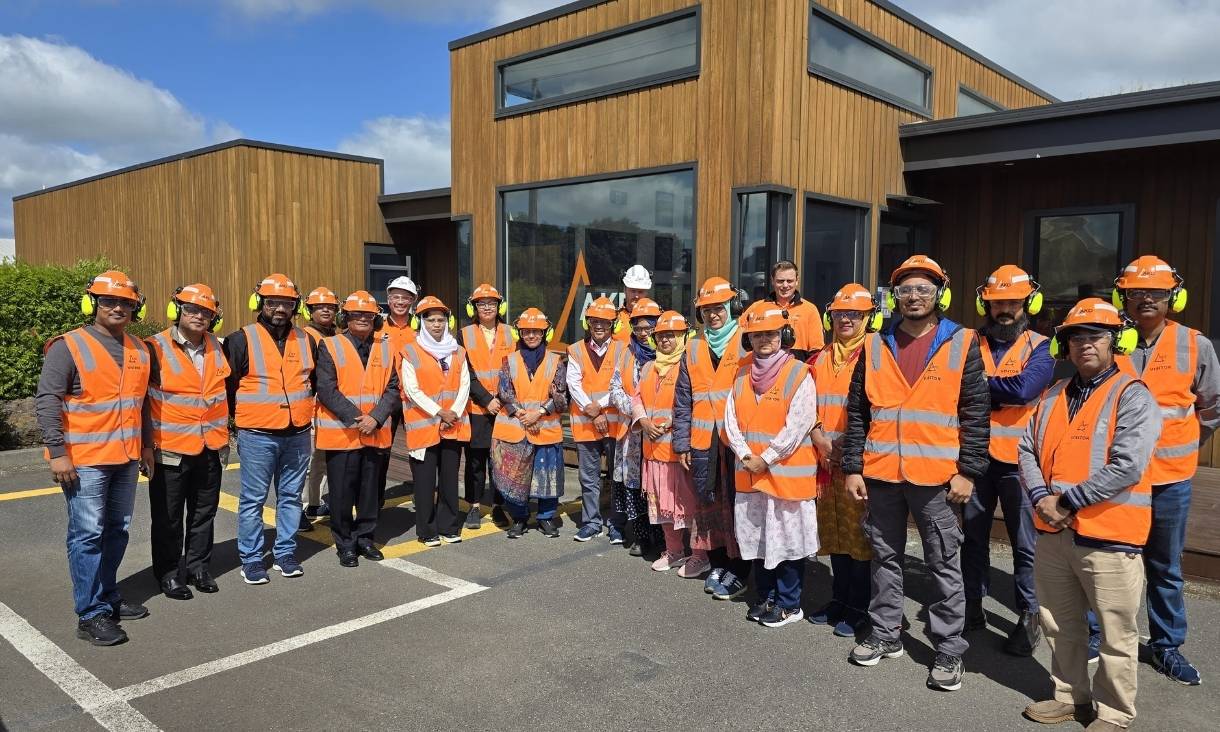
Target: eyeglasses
112	303
1081	339
325	307
852	315
401	298
915	290
643	330
278	303
598	324
361	316
190	308
1153	295
486	304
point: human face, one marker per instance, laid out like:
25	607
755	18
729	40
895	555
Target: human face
1006	312
916	297
435	322
323	314
642	328
599	329
715	316
846	324
531	337
194	321
765	343
279	310
631	295
1148	308
1091	352
360	324
784	284
400	301
667	342
486	309
114	313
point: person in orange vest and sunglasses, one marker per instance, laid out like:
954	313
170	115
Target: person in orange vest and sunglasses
918	427
320	311
1083	461
1179	365
189	410
93	383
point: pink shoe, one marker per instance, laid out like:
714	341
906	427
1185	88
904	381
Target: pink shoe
695	566
667	562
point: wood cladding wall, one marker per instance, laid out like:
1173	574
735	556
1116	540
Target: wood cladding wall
754	115
226	218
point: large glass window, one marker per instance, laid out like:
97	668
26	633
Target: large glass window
899	235
381	265
567	244
761	238
855	58
465	267
836	249
969	103
638	56
1076	255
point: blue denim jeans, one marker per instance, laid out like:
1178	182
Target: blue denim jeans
100	503
999	485
782	583
547	508
1163	565
264	459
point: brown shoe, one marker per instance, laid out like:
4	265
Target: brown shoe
1052	711
1100	725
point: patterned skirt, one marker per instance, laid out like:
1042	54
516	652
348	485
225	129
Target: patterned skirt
523	470
711	522
775	530
839	519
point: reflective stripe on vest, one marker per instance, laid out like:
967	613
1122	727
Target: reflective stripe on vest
485	362
531	393
1170	375
596	384
275	392
1008	421
710	386
793	478
102	425
424	430
190	410
363	384
832	390
657	395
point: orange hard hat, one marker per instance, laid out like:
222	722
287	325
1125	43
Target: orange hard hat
645	308
485	291
603	308
430	302
714	291
1009	282
764	319
919	263
321	296
852	297
533	319
114	283
277	285
671	321
359	301
198	294
1149	273
1092	312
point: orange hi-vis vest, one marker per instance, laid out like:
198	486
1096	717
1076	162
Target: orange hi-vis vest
913	435
424	431
485	362
657	394
710	387
761	418
1170	375
317	334
832	391
1069	451
1008	421
102	425
400	335
531	393
623	320
275	392
596	383
363	384
190	410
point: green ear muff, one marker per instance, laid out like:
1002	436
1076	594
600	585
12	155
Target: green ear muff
584	323
826	321
1033	304
1126	341
255	302
469	309
891	302
550	335
874	322
452	322
1057	350
516	333
303	311
217	322
171	311
415	323
1117	299
980	307
652	342
944	297
1177	301
503	309
618	325
88	305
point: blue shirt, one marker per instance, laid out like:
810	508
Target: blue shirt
1027	385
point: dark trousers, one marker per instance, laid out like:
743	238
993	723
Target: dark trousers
352	477
851	582
999	485
193	485
477	476
436	490
782	584
383	471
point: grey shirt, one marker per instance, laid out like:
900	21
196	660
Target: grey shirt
1206	384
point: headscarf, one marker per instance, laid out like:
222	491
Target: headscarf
764	370
532	356
665	362
441	349
641	349
719	338
843	351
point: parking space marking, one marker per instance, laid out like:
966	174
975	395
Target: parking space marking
56	490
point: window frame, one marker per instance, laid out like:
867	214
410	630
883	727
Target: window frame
688	72
786	251
458	219
979	97
842	79
867	230
1031	239
371	248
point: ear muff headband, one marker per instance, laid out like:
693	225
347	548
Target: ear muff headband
615	326
736	306
1033	301
255	303
416	323
944	297
546	337
1177	296
88	305
502	310
173	311
1123	342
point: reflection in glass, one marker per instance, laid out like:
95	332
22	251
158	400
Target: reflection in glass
1077	258
762	240
835	49
968	104
465	265
836	249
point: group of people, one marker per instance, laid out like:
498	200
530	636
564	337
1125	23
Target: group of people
738	445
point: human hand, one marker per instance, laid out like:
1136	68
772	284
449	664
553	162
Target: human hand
601	424
366	424
855	487
960	489
1049	510
493	407
754	464
684	460
591	410
448	416
651	430
62	470
148	461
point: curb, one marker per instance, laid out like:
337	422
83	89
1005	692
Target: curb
26	458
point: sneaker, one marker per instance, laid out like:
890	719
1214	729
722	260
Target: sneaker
730	587
1025	637
288	566
474	519
845	629
778	617
946	672
430	541
306	524
1094	647
128	611
499	517
976	619
254	573
517	529
101	630
451	538
547	528
758	610
712	583
667	562
1173	664
314	512
587	532
873	649
1101	725
829	614
1052	711
636	549
614	535
694	567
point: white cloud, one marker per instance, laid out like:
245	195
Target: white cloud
1084	48
415	150
494	12
8	249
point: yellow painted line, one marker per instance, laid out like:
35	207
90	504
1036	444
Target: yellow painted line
14	495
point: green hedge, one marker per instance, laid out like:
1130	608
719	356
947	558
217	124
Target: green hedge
38	302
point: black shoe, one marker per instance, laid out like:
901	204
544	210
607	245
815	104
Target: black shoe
348	558
203	581
517	529
370	552
946	672
758	610
128	611
175	590
499	518
101	630
474	519
547	528
976	619
306	524
635	549
1025	637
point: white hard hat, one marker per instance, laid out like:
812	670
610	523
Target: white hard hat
637	277
402	283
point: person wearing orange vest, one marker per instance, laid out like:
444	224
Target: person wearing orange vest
321	309
852	315
596	424
89	407
189	411
637	283
488	343
1083	462
271	399
711	360
527	441
1180	368
1019	367
401	295
357	392
806	320
918	425
769	413
435	388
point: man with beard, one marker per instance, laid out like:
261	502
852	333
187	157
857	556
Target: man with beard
1020	366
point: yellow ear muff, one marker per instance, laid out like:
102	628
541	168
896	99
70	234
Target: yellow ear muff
1177	301
826	321
874	322
1126	341
652	342
980	307
1057	350
516	333
255	303
946	297
216	324
584	323
470	309
171	311
1033	305
503	309
452	322
140	312
618	325
550	334
1117	300
415	322
87	304
891	303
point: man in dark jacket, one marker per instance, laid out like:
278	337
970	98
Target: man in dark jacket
918	424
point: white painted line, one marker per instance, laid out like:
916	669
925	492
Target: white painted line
94	697
429	575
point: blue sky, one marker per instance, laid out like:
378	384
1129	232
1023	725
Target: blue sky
92	85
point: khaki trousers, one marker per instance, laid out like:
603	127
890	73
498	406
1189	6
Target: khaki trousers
1069	580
